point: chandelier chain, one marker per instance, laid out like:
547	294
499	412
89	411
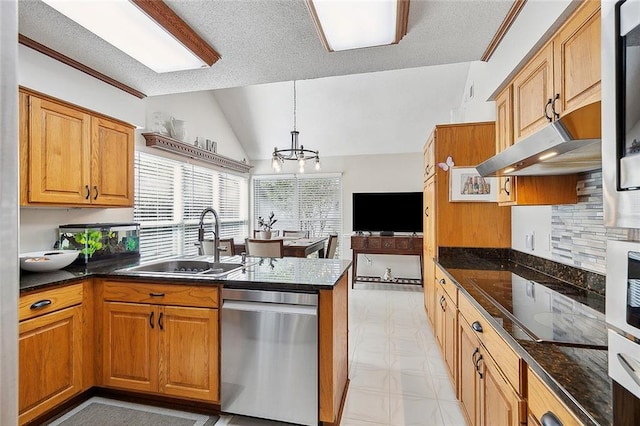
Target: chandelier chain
294	106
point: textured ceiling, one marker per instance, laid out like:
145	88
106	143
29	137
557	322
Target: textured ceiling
263	41
368	101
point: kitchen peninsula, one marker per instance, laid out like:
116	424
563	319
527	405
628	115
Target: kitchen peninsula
111	330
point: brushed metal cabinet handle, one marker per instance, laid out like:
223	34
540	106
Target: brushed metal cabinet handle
151	319
40	304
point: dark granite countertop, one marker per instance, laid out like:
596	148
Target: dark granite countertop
285	274
578	375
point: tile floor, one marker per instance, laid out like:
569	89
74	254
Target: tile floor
397	374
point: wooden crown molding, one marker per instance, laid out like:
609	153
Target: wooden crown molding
26	41
170	21
503	28
402	22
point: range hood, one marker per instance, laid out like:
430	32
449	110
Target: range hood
570	144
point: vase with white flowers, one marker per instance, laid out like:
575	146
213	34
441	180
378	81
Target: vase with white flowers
265	226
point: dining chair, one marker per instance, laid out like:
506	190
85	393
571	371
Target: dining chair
228	246
331	246
264	248
297	234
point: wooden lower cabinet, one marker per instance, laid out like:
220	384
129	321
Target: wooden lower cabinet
542	402
160	338
486	396
164	349
446	331
50	361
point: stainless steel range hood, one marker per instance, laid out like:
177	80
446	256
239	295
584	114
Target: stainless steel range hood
570	144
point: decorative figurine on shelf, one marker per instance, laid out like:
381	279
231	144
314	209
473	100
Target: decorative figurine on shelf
265	226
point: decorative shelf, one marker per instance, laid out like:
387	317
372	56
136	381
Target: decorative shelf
166	143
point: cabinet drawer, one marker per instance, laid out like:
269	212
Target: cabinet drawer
43	302
161	294
510	363
542	400
447	285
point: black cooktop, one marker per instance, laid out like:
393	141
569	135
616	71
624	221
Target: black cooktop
548	313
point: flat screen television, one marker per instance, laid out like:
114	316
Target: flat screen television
387	212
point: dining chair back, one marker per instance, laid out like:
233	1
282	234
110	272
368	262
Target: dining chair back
264	248
331	246
297	234
228	246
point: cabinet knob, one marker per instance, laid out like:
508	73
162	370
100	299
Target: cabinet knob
442	281
477	326
40	304
546	108
550	419
553	107
507	181
477	364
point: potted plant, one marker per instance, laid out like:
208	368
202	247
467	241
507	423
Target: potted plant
265	226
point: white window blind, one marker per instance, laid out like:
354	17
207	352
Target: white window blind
309	203
169	198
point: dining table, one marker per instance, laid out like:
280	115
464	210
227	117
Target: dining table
293	246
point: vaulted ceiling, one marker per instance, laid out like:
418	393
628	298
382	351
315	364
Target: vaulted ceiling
374	100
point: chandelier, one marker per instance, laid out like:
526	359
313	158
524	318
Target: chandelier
296	152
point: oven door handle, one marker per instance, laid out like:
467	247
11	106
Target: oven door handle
631	366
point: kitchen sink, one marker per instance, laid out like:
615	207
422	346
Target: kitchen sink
184	267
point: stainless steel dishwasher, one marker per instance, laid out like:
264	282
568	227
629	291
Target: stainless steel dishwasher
270	355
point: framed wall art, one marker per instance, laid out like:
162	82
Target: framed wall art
466	185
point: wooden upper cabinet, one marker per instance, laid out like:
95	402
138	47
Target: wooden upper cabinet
58	149
566	71
429	158
577	59
111	163
532	90
504	119
70	156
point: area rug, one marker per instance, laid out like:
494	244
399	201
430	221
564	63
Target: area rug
108	412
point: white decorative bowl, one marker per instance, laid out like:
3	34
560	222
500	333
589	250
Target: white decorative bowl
51	260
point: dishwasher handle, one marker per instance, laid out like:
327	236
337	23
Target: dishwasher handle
235	305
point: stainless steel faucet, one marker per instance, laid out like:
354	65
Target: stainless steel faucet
216	234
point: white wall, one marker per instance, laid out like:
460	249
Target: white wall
370	173
203	117
39	226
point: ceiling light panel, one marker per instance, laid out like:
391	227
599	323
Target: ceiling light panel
125	26
355	24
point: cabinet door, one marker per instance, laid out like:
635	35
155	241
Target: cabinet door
438	317
468	377
429	156
507	190
450	344
188	340
111	163
58	153
429	200
429	288
50	361
130	346
500	402
576	59
532	89
504	120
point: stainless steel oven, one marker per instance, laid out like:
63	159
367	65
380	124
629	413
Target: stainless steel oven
621	112
623	313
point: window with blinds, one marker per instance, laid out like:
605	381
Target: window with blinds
169	198
303	202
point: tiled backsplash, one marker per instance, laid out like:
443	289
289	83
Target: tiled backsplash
578	235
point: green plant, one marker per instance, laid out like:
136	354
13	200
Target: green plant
91	242
266	225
